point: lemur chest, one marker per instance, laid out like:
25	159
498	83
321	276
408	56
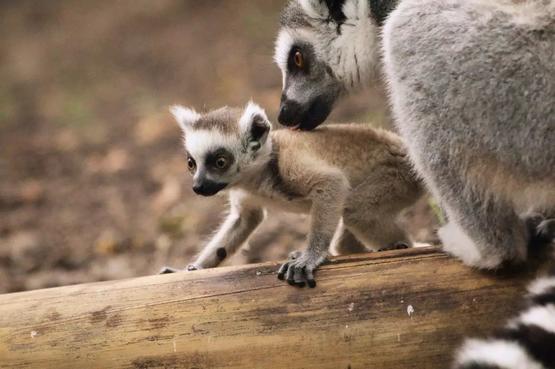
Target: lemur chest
274	197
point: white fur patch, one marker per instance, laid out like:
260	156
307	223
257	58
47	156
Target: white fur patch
541	316
499	353
251	110
458	243
199	142
356	9
185	117
541	285
315	8
283	45
358	44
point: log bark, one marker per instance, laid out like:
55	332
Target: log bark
398	309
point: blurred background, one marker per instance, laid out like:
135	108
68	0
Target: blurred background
93	181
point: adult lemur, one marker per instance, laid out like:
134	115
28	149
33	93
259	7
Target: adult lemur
472	84
351	176
472	87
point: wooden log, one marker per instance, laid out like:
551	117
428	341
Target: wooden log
399	309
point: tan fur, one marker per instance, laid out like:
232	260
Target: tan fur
350	178
524	192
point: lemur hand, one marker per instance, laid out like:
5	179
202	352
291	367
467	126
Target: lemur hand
541	229
167	269
299	269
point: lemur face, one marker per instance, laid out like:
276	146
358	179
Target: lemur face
310	88
324	50
222	145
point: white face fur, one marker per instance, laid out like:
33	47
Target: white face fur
223	146
336	56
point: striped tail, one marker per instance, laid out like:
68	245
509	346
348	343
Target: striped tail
526	342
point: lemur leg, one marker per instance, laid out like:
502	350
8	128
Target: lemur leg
482	231
379	235
345	243
328	193
541	229
371	211
349	244
234	232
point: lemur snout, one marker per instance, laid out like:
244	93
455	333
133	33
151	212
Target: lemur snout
289	112
208	188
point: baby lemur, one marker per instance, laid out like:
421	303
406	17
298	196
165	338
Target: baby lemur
349	178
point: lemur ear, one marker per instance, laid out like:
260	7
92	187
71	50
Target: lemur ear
255	124
324	9
315	8
185	117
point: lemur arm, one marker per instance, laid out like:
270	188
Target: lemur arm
328	192
241	222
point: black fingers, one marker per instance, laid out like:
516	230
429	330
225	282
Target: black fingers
282	270
310	278
290	275
168	270
396	246
298	276
546	230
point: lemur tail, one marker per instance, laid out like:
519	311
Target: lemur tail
526	342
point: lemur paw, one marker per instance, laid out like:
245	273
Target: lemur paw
401	245
299	269
167	269
540	228
546	230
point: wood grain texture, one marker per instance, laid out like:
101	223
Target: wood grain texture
243	317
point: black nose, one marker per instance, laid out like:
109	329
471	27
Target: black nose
290	112
208	188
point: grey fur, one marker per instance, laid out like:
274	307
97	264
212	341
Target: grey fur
473	91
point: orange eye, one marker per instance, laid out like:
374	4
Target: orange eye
298	59
191	164
221	162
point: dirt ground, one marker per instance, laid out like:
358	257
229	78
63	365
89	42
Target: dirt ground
93	183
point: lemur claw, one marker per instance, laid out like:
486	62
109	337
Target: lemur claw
299	270
168	270
546	230
540	228
401	245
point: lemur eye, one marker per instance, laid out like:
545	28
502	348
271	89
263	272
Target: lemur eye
191	164
298	59
221	162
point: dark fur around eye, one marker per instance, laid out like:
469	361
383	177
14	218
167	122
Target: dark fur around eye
212	158
191	163
306	53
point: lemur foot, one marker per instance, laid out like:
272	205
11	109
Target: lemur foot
299	269
541	229
546	230
401	245
168	270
